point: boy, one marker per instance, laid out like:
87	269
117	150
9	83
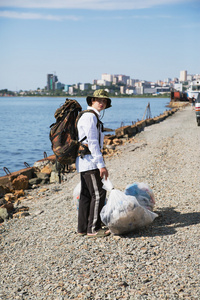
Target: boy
92	167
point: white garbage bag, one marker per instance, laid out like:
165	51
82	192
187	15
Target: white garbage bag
143	194
122	213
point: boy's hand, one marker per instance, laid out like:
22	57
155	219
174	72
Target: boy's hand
103	172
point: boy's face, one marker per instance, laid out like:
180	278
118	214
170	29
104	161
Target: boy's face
99	103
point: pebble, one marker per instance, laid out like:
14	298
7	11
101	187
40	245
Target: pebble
43	258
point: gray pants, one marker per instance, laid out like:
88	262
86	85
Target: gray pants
92	200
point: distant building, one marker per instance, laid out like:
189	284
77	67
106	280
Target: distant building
122	89
139	90
196	77
178	87
123	78
84	86
95	87
115	79
143	83
175	80
66	88
71	90
130	91
107	77
162	89
51	81
131	82
103	82
77	85
59	85
167	80
189	77
149	91
159	82
183	76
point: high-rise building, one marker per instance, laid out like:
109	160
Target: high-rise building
107	77
51	80
123	78
183	76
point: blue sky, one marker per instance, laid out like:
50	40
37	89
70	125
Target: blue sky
81	39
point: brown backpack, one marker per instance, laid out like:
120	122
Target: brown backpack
64	135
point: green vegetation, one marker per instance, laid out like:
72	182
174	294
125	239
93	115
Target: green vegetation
6	92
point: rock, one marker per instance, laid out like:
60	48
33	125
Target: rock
35	181
20	183
21	214
42	176
3	213
108	142
41	164
54	177
110	147
3	190
117	142
19	193
47	170
2	201
22	208
9	197
9	206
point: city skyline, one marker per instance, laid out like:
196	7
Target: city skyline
149	40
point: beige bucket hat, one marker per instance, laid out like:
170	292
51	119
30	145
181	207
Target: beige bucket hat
99	94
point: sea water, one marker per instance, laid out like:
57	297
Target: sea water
25	121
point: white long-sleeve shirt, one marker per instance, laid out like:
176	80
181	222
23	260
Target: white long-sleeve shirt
87	126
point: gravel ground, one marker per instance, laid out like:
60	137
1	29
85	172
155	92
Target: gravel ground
43	258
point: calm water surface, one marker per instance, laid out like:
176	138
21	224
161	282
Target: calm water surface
24	124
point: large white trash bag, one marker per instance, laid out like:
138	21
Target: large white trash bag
123	213
143	194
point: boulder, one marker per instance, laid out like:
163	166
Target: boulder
117	142
9	197
19	193
42	176
20	183
3	190
34	181
108	142
54	177
46	170
3	213
8	206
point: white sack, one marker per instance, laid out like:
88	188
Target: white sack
123	213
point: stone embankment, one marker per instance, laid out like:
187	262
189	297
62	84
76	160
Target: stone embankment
43	258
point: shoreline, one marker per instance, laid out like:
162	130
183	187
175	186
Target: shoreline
43	258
